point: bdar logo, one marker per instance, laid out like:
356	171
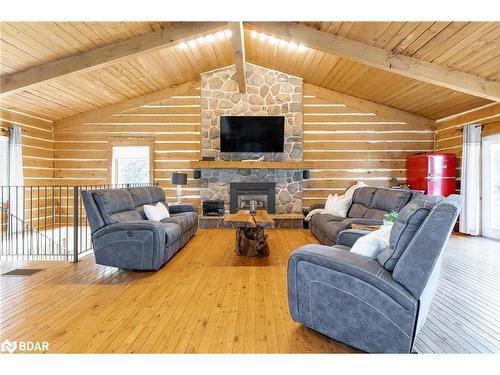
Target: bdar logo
8	346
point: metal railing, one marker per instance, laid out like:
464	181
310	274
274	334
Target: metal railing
45	222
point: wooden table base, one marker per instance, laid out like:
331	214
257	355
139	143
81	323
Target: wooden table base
251	242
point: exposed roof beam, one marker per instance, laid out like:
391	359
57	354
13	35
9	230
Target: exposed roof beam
110	53
382	59
238	46
366	105
100	113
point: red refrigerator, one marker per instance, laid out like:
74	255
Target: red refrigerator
435	173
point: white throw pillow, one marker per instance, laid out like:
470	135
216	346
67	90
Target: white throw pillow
373	243
337	205
157	212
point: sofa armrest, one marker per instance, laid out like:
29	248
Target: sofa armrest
153	226
350	236
355	265
131	245
316	206
179	208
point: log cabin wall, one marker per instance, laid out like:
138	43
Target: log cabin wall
38	145
38	164
349	144
82	151
449	131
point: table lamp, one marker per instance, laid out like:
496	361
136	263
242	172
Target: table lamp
179	179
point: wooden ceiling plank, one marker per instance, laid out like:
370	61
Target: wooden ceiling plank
440	39
421	28
179	89
384	60
425	37
105	55
464	38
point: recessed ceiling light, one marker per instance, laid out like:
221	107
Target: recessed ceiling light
254	34
183	45
228	33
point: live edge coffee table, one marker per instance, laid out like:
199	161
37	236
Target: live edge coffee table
251	240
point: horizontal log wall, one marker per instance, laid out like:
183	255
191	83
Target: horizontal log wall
449	132
38	165
349	144
82	151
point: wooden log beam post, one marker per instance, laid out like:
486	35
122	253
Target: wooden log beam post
383	59
238	47
110	53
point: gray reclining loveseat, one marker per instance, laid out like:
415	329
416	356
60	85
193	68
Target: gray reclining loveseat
377	305
123	237
368	206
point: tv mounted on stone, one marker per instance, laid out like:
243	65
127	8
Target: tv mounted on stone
252	133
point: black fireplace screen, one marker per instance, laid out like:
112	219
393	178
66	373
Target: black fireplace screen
242	193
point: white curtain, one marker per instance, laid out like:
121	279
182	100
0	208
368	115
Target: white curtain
470	217
16	180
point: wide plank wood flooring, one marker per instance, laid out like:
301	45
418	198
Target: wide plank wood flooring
208	300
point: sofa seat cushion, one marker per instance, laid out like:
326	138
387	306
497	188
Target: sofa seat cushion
186	220
320	220
116	206
409	220
173	232
332	228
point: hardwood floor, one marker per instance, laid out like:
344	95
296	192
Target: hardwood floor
208	300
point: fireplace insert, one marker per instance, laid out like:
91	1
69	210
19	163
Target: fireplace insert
241	194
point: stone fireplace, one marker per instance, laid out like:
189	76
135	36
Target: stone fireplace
241	194
269	92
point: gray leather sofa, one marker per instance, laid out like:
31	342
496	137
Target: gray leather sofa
368	206
123	237
376	305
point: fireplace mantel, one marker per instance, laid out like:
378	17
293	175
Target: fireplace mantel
222	164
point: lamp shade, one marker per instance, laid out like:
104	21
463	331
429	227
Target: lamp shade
179	178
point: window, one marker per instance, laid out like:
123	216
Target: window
4	160
131	164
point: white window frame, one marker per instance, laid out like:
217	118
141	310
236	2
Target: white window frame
129	142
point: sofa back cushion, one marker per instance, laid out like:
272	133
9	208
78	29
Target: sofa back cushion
409	220
141	196
361	201
116	206
418	268
390	199
157	194
374	203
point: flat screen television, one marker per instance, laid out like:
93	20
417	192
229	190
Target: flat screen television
252	133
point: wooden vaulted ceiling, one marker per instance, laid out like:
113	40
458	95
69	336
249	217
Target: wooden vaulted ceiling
467	47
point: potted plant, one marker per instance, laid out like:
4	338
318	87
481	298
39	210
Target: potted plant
390	218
